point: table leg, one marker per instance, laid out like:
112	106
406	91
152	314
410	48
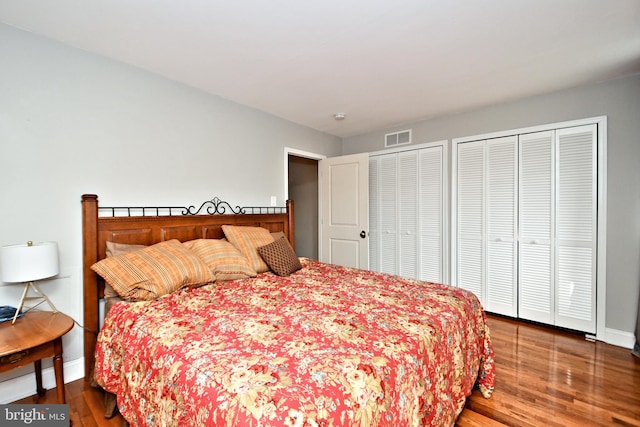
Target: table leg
58	370
37	365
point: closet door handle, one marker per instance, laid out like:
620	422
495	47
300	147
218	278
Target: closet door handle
363	234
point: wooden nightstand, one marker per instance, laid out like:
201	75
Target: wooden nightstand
34	336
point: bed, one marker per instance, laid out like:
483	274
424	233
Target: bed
323	345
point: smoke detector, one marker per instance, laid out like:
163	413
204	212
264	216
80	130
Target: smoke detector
339	116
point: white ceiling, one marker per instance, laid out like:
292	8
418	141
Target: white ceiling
382	62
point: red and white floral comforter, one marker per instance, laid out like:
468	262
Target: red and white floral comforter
326	346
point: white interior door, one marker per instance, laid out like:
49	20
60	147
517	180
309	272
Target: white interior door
406	212
550	181
536	218
431	215
576	228
470	239
345	210
383	213
501	206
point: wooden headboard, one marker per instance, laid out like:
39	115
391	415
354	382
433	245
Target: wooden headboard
137	227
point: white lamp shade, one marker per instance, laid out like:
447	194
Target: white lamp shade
26	263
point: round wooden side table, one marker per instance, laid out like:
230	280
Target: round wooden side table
33	337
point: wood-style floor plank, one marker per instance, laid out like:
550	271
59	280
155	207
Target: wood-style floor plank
547	377
544	377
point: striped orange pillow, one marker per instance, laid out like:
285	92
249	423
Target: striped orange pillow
247	240
154	271
222	258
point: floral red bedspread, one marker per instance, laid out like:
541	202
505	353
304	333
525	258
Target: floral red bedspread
326	346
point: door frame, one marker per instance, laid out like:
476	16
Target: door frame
307	155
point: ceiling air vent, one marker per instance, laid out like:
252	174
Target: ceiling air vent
398	138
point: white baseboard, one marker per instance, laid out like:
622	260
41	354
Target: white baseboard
25	386
619	338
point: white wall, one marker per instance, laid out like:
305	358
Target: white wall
619	100
74	123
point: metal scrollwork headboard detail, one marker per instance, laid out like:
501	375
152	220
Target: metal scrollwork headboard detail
214	206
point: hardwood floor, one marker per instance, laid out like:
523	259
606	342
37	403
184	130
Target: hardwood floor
544	377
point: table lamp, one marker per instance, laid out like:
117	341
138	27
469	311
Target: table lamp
27	263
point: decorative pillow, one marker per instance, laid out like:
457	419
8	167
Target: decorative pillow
280	257
154	271
222	258
115	249
277	234
247	240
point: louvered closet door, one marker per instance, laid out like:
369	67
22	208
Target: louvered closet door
406	209
536	194
374	217
408	213
501	201
388	199
431	213
470	254
576	228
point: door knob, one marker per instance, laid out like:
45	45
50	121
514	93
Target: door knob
363	234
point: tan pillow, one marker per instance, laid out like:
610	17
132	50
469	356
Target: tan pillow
247	240
222	258
277	234
280	257
154	271
115	249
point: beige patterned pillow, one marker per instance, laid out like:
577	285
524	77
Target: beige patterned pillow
247	240
115	249
277	234
222	258
280	257
154	271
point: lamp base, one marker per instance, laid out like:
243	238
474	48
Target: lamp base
41	297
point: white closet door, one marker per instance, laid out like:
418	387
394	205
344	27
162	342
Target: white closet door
536	194
470	255
431	213
388	172
576	228
408	213
526	224
374	217
501	187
